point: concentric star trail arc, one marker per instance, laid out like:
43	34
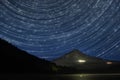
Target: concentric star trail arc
51	28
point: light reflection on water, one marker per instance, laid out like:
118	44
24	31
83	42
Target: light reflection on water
60	77
91	76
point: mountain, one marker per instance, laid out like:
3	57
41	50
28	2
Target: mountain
13	60
85	63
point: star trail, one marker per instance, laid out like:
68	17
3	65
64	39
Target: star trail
51	28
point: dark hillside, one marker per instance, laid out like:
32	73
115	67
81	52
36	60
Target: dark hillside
17	61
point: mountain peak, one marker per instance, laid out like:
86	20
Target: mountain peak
77	58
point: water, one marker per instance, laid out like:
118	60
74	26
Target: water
60	77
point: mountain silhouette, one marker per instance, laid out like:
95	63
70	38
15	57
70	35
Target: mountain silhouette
13	60
85	63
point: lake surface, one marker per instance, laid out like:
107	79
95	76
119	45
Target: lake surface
60	77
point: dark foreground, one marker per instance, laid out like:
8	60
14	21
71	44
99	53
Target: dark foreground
15	62
60	77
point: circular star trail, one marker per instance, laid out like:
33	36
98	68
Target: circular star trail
51	28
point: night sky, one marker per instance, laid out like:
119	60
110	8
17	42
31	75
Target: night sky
51	28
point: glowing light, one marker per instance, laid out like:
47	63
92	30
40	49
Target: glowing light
81	61
109	62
